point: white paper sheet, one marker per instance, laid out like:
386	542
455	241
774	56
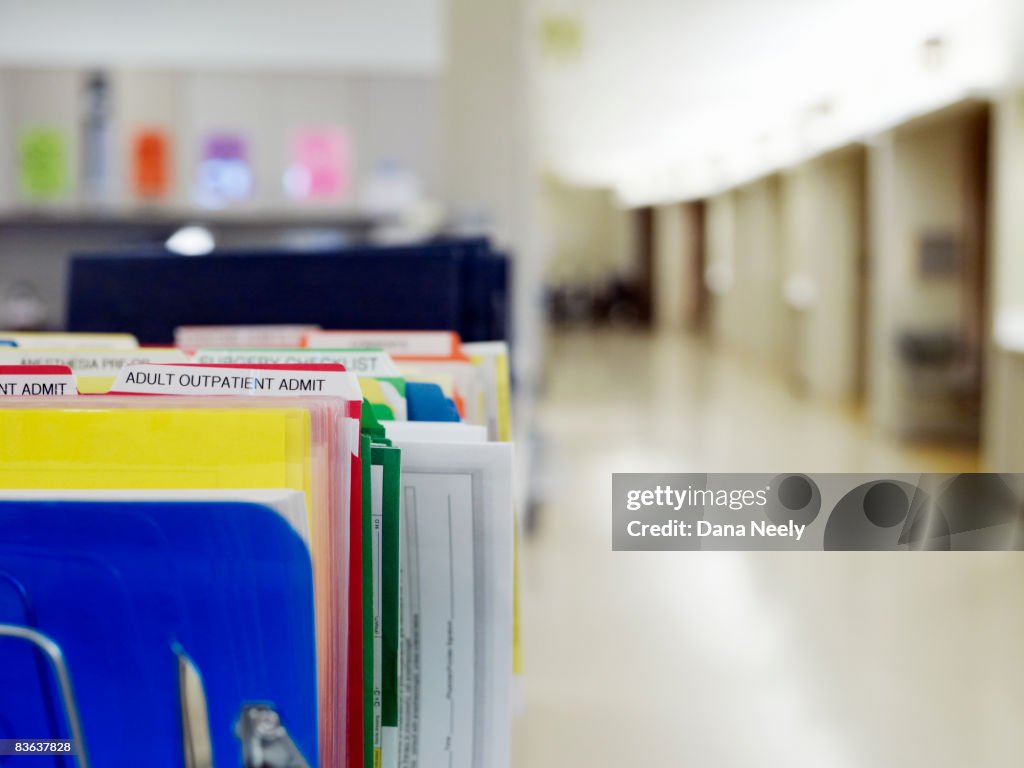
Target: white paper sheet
434	432
456	605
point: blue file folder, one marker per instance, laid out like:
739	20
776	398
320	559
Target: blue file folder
119	585
426	402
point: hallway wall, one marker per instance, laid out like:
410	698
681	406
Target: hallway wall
823	239
928	221
673	242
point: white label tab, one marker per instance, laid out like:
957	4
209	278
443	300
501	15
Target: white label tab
398	343
375	363
196	336
90	362
207	380
38	385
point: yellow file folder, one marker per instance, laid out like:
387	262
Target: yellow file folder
65	448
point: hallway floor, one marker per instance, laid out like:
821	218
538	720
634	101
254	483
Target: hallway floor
722	660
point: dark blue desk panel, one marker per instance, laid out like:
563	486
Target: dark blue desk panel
150	294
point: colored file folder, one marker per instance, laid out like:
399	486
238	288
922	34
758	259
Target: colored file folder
386	484
428	403
168	447
133	442
336	521
119	584
381	489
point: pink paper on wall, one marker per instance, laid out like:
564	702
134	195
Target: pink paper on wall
320	166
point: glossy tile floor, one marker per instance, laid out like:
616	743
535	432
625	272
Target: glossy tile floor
715	660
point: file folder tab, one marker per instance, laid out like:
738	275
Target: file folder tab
37	381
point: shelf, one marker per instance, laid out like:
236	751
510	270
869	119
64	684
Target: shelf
172	217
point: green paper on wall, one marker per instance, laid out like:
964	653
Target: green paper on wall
44	163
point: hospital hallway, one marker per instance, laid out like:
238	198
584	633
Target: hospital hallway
715	660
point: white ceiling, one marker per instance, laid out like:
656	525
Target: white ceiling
377	35
671	98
